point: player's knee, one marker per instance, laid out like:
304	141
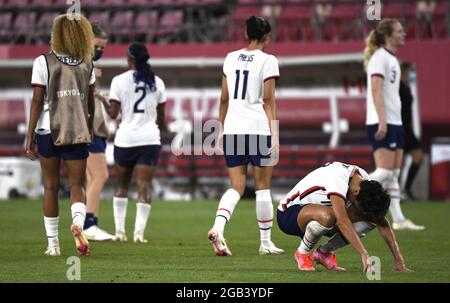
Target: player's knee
51	186
326	219
103	176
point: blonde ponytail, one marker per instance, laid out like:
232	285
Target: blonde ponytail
371	47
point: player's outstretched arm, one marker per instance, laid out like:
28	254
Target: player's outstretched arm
388	235
346	227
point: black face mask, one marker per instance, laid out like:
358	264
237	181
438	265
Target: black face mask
97	54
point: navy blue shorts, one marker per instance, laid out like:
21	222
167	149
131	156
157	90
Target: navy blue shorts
242	149
395	137
47	149
98	145
132	156
287	220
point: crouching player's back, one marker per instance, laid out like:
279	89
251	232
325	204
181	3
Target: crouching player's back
337	200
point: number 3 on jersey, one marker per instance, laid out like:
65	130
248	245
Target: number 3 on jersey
244	85
136	108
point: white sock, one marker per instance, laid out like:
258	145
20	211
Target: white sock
142	214
381	175
226	207
78	210
120	213
51	230
393	188
338	241
314	231
264	214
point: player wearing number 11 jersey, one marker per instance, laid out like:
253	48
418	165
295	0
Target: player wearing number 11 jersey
139	95
247	108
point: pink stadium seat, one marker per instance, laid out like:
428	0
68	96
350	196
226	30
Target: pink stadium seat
146	22
24	23
293	23
17	3
170	23
42	3
343	11
43	27
94	3
45	22
441	10
139	2
392	10
122	22
5	26
236	26
102	17
242	13
164	2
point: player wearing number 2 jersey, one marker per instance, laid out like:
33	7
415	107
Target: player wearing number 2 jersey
247	109
139	95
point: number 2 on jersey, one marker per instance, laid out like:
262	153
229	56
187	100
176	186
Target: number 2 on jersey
136	105
244	85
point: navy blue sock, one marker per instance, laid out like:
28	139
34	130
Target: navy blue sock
89	221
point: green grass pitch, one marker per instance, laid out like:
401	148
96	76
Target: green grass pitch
179	251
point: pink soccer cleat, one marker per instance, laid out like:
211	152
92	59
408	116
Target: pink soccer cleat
328	260
304	261
81	242
219	244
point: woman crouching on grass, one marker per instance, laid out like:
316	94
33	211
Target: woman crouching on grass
61	119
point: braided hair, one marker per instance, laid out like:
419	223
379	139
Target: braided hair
139	53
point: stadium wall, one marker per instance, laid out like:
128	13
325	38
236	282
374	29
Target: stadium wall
431	58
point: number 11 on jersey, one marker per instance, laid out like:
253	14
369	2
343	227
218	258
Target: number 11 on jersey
244	85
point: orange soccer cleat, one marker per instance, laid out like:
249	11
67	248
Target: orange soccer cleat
304	261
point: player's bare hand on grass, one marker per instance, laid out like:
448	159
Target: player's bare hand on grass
401	267
31	149
367	266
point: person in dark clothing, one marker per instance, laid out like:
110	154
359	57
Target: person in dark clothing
412	143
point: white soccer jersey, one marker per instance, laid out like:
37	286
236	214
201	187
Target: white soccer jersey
384	64
321	183
39	77
138	110
246	71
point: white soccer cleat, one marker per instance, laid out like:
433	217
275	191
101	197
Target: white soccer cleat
94	233
139	238
407	225
219	243
120	237
53	251
270	249
81	242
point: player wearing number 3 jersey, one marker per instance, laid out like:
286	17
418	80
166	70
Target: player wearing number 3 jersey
247	111
139	95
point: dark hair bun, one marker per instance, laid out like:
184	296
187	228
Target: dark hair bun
257	27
